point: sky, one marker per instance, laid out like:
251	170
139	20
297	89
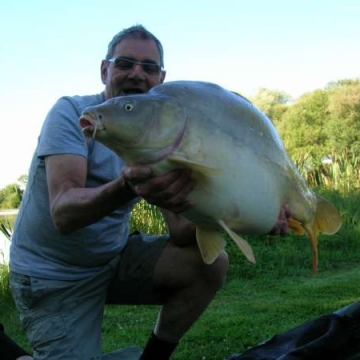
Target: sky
53	48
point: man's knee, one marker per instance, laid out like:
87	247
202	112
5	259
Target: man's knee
180	267
209	276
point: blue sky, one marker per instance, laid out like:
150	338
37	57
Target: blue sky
52	48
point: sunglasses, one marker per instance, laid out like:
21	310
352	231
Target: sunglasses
126	64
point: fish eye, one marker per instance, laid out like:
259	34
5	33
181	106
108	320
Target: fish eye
128	106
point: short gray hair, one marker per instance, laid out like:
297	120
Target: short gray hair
137	32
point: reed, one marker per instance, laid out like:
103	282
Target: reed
148	219
338	172
5	292
6	227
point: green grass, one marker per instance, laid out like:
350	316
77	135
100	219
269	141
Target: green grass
244	313
256	302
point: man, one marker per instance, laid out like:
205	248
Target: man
71	250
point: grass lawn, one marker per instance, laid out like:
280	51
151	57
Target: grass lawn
245	313
249	309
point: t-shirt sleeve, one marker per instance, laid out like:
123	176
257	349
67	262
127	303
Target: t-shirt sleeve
61	132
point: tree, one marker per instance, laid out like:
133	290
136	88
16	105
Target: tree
10	197
23	179
333	85
272	103
302	125
343	125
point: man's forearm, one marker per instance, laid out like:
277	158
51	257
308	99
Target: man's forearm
80	207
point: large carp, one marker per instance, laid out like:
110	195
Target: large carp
243	173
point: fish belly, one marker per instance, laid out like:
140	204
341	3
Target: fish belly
245	191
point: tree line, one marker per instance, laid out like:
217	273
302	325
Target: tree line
321	123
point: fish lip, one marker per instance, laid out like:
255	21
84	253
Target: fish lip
91	124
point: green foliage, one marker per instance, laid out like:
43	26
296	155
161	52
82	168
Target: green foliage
273	103
302	126
5	292
23	179
10	197
343	125
6	227
340	83
322	122
339	172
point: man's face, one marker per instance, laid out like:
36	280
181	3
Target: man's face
119	81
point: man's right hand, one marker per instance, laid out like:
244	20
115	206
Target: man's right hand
168	191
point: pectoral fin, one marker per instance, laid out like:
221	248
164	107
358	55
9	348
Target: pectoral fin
195	166
210	243
241	243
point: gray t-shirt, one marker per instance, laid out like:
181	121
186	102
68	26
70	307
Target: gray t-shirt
37	248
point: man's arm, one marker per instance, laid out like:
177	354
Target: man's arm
72	205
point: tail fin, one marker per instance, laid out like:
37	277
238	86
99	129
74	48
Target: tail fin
327	218
327	221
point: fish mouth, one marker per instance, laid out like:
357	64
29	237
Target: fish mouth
133	91
91	124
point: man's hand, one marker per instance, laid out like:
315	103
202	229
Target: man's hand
282	225
168	191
